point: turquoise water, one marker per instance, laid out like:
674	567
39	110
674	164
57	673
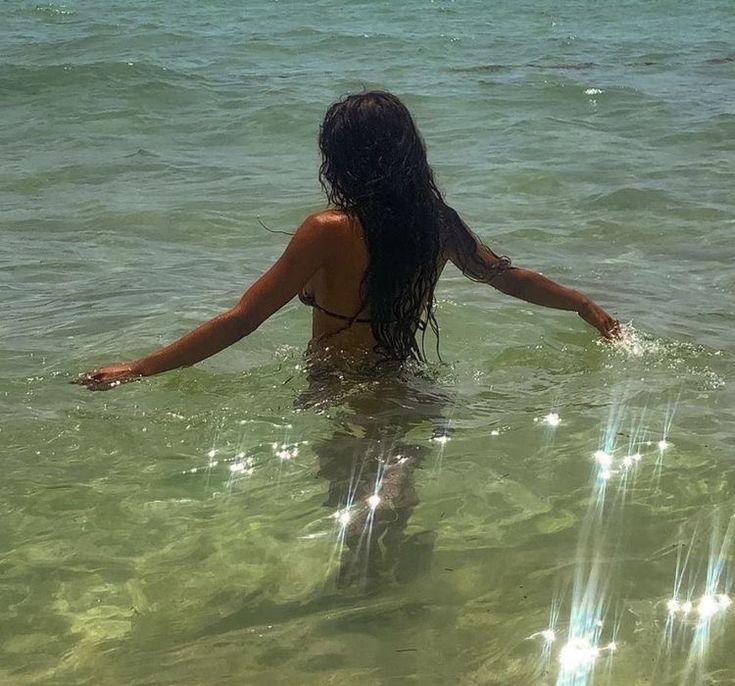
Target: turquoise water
191	529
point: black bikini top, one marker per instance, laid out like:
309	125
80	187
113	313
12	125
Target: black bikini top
309	300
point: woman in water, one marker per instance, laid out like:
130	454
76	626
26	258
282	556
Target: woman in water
368	267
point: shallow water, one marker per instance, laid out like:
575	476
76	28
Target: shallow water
183	530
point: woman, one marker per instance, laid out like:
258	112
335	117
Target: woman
368	267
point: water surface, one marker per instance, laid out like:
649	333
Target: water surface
191	528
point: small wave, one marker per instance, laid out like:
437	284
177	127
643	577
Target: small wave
721	60
142	152
481	69
52	10
21	79
631	198
573	66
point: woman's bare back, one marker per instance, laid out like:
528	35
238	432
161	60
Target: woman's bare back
341	317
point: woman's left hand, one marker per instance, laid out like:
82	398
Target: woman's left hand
595	316
107	377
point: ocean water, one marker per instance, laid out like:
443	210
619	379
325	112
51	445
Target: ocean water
552	509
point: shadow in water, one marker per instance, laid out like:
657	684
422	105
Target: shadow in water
382	428
381	435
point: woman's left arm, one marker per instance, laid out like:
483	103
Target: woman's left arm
536	288
303	257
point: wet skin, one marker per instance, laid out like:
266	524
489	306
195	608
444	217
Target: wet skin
327	257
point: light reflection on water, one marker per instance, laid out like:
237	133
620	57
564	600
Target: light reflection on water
369	462
356	540
692	621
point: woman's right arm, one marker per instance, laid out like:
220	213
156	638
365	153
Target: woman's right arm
303	257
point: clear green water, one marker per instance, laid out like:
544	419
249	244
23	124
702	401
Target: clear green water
141	141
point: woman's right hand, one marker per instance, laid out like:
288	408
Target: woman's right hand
109	376
594	315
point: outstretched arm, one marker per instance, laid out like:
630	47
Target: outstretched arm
303	257
536	288
480	263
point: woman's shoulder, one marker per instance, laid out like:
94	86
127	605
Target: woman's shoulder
330	219
333	225
328	233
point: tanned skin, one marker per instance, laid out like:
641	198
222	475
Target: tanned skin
327	257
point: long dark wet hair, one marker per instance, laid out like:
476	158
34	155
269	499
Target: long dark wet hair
374	167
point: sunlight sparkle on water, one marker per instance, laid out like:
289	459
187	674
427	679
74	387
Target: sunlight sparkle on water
663	444
603	458
630	460
373	501
441	439
244	465
549	635
578	653
552	419
707	605
343	517
285	452
673	606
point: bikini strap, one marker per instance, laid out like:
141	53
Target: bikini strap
309	300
